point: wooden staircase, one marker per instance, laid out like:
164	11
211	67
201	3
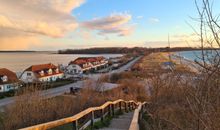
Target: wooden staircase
87	118
121	123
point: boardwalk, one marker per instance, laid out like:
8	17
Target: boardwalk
121	123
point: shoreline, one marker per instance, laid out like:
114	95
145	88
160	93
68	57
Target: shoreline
185	61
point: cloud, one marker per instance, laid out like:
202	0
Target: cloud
113	24
140	17
18	43
44	17
177	40
33	18
153	20
190	38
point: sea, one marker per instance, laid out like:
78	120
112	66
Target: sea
19	61
197	55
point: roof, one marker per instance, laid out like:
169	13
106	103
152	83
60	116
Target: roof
82	60
12	77
38	68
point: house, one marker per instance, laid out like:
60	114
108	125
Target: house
8	80
41	73
115	60
73	71
98	62
85	64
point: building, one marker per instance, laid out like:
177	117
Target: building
85	64
41	73
8	80
73	71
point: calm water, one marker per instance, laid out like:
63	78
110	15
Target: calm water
17	62
197	55
191	55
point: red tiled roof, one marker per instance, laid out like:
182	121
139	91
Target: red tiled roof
45	67
40	67
83	60
12	77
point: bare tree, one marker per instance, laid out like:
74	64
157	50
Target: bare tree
204	96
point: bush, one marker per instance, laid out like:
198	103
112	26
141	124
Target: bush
10	93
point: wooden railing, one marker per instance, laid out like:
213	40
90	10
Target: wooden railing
137	116
93	113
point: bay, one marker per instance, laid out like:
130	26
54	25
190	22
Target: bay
19	61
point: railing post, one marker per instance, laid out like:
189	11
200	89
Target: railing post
75	125
126	107
113	109
120	106
92	119
129	106
109	111
103	114
132	105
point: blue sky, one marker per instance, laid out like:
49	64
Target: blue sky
51	25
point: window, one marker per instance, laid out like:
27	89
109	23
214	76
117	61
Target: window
50	71
57	70
4	78
42	73
28	74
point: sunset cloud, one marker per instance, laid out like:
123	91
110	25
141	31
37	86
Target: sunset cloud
44	17
113	24
18	43
34	18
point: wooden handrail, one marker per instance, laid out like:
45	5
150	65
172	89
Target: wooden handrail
75	118
135	120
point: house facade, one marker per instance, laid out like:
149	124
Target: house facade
41	73
8	80
73	71
84	64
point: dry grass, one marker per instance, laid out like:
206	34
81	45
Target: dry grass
31	108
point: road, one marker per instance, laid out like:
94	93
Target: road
66	88
121	69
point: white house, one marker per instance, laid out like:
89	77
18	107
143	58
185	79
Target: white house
8	80
41	73
73	71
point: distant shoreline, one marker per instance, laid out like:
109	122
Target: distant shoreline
126	50
110	50
16	51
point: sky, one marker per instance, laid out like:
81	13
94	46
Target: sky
61	24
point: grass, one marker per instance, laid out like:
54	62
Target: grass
60	83
68	126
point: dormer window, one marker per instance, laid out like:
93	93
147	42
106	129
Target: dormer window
57	70
42	73
4	78
50	71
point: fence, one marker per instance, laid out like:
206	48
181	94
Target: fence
88	116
